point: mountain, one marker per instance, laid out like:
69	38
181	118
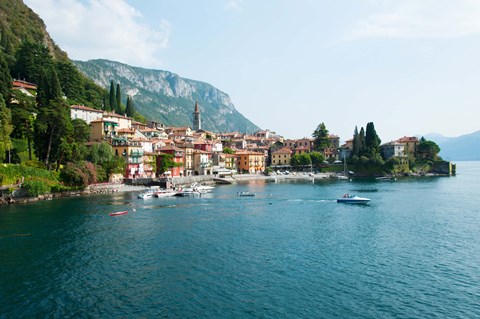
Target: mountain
18	23
461	148
166	97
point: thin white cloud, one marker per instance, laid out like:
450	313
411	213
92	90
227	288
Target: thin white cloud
419	19
110	29
233	5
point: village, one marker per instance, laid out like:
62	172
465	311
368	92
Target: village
196	151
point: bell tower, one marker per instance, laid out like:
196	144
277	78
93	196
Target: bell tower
197	123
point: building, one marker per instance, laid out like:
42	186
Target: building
85	113
411	143
281	157
392	149
250	162
177	157
197	122
102	130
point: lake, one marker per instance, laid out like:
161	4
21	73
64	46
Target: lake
289	252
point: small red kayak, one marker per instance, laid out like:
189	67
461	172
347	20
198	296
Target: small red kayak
118	213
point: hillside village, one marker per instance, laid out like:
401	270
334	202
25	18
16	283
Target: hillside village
200	152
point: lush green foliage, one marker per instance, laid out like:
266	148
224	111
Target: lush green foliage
79	174
321	137
52	127
166	163
228	150
5	129
428	149
12	173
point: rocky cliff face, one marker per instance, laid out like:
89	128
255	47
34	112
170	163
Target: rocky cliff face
166	97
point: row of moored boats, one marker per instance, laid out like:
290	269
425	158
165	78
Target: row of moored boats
193	190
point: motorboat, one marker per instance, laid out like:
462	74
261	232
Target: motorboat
246	194
147	194
272	179
118	213
164	193
352	199
202	188
188	192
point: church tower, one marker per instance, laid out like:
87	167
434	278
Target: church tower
197	123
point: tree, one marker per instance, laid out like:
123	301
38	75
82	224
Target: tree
112	99
428	149
305	160
5	129
31	59
48	87
355	143
228	150
317	159
51	126
361	142
81	131
321	141
5	78
166	163
118	100
130	109
23	110
70	80
295	160
372	141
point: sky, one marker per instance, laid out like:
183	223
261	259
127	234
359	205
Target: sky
412	67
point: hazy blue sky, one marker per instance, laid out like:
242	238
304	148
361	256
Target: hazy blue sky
409	66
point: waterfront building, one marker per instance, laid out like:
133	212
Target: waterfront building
281	157
410	143
392	149
250	162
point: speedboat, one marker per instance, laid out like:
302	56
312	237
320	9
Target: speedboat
352	199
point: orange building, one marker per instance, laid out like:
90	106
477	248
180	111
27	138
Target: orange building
250	162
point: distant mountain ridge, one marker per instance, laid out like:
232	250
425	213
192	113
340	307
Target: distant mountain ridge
461	148
166	97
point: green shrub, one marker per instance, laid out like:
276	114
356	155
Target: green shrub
36	186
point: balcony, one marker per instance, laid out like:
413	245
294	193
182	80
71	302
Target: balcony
136	153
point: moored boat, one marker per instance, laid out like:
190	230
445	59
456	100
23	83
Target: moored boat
246	194
164	193
148	194
118	213
352	199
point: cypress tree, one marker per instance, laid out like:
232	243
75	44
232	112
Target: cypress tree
130	110
372	141
356	145
118	100
112	100
361	142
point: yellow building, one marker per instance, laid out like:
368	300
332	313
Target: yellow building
250	162
281	157
102	130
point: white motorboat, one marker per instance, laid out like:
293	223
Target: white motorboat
164	193
147	194
352	199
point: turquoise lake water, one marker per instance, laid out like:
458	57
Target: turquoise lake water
290	252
